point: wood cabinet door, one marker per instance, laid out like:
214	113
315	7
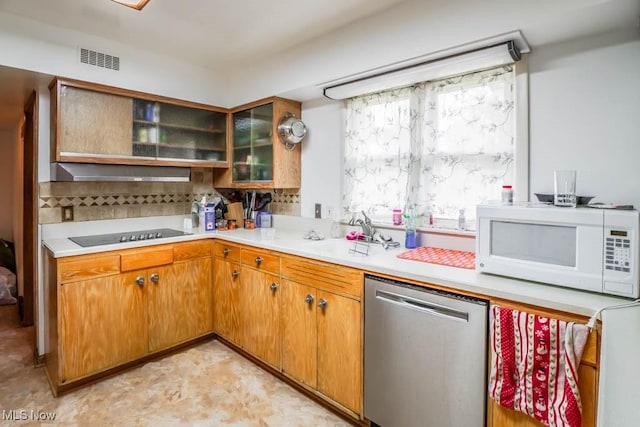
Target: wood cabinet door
588	386
169	306
103	324
260	315
299	334
340	350
93	122
226	300
196	275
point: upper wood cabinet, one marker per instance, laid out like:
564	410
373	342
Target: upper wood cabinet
258	158
101	124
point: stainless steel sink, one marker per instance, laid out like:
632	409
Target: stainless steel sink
343	247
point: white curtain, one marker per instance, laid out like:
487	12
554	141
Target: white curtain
444	145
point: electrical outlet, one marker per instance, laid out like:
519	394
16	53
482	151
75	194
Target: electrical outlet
318	210
67	213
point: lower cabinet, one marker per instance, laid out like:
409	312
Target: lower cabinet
260	314
226	299
498	416
102	324
109	309
178	303
246	293
322	329
300	316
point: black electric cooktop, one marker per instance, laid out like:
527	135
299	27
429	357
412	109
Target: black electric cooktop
131	236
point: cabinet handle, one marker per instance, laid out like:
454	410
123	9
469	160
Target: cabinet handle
322	303
140	281
258	260
235	273
309	299
155	278
226	251
274	286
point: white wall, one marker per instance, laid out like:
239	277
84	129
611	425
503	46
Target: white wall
321	154
33	46
7	191
584	115
412	29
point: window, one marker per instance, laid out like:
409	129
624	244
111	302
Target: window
442	145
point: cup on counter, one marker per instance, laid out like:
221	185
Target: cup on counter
267	233
187	224
564	188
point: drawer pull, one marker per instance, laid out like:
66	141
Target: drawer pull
155	278
309	299
274	286
258	260
226	251
140	281
235	273
322	303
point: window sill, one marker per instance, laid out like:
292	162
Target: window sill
444	229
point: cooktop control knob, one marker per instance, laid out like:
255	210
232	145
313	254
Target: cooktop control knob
158	234
123	239
150	236
133	238
142	237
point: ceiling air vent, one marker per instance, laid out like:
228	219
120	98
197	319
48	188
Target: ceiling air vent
99	59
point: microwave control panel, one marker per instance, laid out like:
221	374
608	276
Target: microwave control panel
617	255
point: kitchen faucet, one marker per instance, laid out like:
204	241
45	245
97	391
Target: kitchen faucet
370	233
367	227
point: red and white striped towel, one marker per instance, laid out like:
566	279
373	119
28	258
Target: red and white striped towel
534	365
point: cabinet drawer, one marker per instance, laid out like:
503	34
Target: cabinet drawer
137	259
330	277
262	260
87	267
228	251
191	250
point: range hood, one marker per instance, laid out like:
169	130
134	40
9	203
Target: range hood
98	172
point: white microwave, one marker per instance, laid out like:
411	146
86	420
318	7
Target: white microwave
582	248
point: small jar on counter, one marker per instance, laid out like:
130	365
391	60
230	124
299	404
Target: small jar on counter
397	217
507	195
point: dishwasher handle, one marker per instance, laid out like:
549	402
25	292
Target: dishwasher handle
423	306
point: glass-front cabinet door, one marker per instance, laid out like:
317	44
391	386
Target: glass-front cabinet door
253	144
173	132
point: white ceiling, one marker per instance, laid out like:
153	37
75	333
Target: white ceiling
212	33
222	35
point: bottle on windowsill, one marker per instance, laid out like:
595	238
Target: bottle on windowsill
461	220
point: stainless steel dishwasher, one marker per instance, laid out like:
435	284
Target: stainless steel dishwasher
425	356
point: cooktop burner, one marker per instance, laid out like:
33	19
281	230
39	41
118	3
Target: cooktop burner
132	236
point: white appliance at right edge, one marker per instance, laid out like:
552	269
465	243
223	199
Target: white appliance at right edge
588	249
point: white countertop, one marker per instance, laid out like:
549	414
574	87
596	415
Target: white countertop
337	251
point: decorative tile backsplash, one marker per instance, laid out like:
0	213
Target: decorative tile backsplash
114	200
